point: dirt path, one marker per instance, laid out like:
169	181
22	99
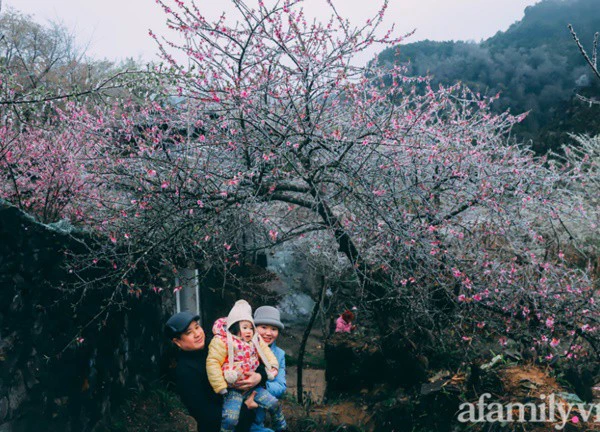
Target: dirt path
313	381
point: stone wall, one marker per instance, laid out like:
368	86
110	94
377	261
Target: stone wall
46	383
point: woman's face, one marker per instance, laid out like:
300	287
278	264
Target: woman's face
269	333
192	339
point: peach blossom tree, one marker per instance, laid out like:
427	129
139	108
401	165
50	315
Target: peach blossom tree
267	132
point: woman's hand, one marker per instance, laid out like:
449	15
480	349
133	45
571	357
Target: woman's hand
247	382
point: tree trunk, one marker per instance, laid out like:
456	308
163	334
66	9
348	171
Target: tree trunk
307	331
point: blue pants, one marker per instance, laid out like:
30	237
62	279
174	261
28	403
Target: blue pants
232	404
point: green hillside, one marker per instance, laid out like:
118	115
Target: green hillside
535	65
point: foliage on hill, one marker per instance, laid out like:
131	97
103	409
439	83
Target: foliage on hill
535	66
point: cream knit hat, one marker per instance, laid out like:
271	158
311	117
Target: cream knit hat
241	311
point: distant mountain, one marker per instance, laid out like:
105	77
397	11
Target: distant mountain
535	64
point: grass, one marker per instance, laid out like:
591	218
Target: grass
156	409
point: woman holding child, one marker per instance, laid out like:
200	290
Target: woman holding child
268	325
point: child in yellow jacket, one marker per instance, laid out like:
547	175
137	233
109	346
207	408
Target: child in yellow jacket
236	351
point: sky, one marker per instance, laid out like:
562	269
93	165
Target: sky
118	29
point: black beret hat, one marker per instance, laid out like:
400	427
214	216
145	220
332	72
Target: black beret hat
178	323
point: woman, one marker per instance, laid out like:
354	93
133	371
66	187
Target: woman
192	382
344	322
268	325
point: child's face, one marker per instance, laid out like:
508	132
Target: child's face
246	330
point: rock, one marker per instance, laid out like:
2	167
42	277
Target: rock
18	392
582	378
513	355
296	308
528	384
62	401
38	328
495	361
394	416
6	344
484	380
16	304
3	408
433	387
30	374
353	363
570	397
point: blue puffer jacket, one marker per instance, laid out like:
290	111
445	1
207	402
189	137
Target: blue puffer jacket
276	387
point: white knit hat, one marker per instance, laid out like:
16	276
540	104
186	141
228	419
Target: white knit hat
241	311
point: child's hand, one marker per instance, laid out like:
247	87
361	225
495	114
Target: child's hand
274	372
